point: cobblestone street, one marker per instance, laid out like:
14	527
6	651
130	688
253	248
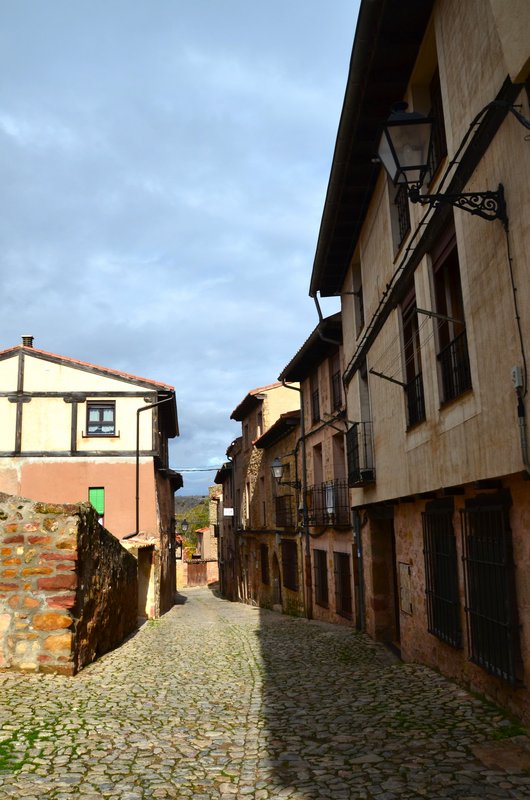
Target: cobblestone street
220	700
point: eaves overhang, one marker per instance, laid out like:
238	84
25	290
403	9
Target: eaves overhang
223	473
387	39
251	401
323	341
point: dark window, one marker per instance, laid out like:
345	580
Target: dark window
412	356
441	576
320	567
290	564
336	383
491	607
101	418
401	202
358	301
453	358
439	143
264	559
284	511
359	454
315	399
343	600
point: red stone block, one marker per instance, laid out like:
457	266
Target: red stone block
30	602
43	659
59	556
61	601
39	539
14	539
12	527
14	601
12	561
65	567
58	582
8	587
6	551
9	573
32	526
37	571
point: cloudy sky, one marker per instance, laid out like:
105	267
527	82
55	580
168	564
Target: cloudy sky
164	166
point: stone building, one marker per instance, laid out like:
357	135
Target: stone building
435	303
72	431
245	481
318	367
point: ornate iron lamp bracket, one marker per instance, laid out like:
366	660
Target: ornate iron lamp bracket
488	205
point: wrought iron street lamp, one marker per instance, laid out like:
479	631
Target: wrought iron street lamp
404	151
277	473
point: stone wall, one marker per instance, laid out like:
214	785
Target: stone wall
68	589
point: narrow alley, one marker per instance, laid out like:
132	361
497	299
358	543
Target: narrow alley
221	700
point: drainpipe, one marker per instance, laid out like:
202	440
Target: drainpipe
305	520
138	412
360	565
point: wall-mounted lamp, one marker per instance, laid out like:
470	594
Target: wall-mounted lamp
184	525
277	472
405	149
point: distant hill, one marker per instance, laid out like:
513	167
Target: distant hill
184	504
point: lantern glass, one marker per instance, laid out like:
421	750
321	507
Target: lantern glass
405	146
277	469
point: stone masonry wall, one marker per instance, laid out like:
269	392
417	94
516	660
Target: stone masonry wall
65	587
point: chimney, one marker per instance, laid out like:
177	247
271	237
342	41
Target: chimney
27	341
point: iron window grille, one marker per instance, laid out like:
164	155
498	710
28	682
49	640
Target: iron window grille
359	454
441	574
320	569
401	201
336	391
290	564
264	559
489	572
415	400
343	594
328	503
101	418
454	368
284	512
315	406
438	141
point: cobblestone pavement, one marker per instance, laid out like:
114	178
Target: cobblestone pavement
220	700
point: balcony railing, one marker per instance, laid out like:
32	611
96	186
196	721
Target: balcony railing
415	401
284	511
360	454
328	503
454	367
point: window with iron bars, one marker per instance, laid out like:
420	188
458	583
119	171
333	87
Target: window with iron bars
320	570
454	368
489	572
290	564
401	202
264	559
328	503
359	454
343	595
439	142
284	512
441	574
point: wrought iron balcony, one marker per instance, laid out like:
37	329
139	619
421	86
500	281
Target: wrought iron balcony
328	503
336	390
360	454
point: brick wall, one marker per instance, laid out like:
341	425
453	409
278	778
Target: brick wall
68	589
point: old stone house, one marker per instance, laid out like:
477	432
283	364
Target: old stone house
72	431
433	281
318	367
246	484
